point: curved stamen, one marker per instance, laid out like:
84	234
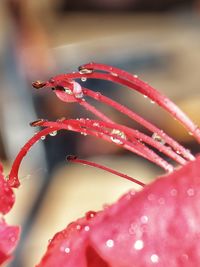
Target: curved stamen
152	93
133	145
74	159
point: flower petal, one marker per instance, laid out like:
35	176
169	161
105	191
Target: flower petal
9	236
7	197
158	226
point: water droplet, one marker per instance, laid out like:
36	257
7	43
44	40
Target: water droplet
190	133
87	228
139	244
54	133
67	250
190	192
144	219
43	137
85	71
83	79
154	258
157	138
145	96
135	76
68	91
114	74
110	243
90	214
152	102
49	241
120	134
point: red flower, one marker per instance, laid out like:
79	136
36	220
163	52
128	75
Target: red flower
158	226
9	235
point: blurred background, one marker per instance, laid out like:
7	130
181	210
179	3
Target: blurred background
159	40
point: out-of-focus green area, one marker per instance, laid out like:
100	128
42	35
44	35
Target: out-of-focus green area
157	40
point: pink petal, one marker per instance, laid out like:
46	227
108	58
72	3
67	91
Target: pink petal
7	197
9	236
158	226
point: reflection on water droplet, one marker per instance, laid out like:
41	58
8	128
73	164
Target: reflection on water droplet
157	138
83	79
68	91
114	74
154	258
85	71
120	134
139	244
43	137
135	76
54	133
152	102
87	228
67	250
145	96
110	243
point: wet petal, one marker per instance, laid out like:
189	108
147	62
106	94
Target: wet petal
158	226
9	236
7	197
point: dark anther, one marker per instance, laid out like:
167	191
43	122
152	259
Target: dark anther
37	122
71	157
38	84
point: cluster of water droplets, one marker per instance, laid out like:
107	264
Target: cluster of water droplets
120	134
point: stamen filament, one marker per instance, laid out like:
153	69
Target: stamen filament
74	159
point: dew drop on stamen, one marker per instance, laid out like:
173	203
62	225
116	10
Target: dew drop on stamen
157	138
85	71
83	79
54	133
114	74
120	134
68	91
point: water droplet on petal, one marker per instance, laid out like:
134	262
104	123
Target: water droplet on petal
67	250
87	228
152	102
110	243
139	244
144	219
43	137
154	258
135	76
